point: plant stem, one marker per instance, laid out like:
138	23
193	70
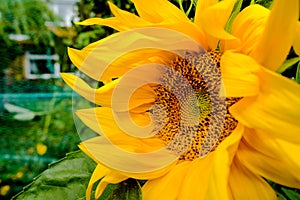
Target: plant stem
190	8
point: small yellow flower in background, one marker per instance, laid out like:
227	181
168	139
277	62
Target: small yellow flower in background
18	175
41	149
4	190
257	123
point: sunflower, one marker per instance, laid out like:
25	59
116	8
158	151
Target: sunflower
226	120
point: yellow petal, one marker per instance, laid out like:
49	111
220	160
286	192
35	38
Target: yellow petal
76	56
278	159
189	29
275	42
105	122
79	86
112	177
133	59
248	27
133	89
297	39
99	172
127	143
92	146
213	21
157	11
201	6
201	171
80	59
127	21
122	21
276	108
114	23
83	148
168	186
112	57
213	170
101	121
140	165
244	184
95	59
115	56
142	109
230	144
238	75
225	152
101	96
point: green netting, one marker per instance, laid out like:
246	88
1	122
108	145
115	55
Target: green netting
46	124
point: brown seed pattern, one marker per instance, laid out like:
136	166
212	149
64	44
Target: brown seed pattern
191	140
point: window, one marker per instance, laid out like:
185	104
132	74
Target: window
41	66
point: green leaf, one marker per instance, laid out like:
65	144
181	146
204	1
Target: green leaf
298	73
280	196
65	179
291	194
265	3
235	11
287	64
108	191
126	190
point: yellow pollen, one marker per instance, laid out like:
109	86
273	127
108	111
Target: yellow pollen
202	73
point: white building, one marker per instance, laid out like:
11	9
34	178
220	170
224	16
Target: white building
66	9
46	66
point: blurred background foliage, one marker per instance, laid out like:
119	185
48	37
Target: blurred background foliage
30	142
95	8
28	146
25	18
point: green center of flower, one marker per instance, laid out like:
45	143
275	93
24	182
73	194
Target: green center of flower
204	104
182	110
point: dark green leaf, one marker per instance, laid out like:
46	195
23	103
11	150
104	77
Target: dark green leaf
65	179
291	194
108	191
265	3
280	196
126	190
298	73
288	64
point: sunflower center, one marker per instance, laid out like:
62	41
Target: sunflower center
195	120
